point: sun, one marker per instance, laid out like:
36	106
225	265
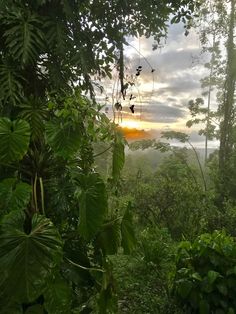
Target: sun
131	124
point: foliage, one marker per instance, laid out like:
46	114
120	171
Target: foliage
205	276
156	246
151	263
55	217
27	258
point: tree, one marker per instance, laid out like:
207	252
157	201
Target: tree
227	139
55	219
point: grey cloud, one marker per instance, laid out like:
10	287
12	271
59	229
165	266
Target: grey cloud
157	112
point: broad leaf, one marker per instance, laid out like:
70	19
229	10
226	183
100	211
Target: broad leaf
118	158
14	195
212	276
35	309
109	238
23	36
11	84
57	296
35	113
11	309
92	204
26	260
128	241
14	139
64	138
184	288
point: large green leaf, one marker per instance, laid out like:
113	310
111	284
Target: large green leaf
24	37
14	139
118	157
27	260
64	138
109	238
128	241
14	195
11	309
34	112
11	84
92	204
57	296
35	309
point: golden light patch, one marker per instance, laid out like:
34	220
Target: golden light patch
132	134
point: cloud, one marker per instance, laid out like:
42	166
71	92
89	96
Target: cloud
162	113
156	112
162	96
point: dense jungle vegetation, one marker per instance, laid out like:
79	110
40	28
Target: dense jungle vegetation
82	228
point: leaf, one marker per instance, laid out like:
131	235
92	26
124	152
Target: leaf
109	238
35	309
204	307
14	139
35	113
118	157
128	241
171	135
24	37
11	84
57	296
10	309
222	288
92	204
184	288
196	276
27	260
65	139
212	276
14	195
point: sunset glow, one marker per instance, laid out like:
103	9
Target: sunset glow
131	124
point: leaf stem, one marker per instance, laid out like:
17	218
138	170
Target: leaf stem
85	268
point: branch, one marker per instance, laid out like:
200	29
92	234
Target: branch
94	156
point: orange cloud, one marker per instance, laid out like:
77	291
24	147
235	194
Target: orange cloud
135	134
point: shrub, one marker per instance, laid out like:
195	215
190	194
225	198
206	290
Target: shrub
205	279
156	245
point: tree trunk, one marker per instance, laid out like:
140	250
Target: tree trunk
226	140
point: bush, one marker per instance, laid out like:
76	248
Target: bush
156	245
205	279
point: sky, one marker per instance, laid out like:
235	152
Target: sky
160	98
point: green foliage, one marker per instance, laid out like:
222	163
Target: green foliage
57	296
118	157
205	277
14	195
171	135
109	238
65	139
127	231
144	277
92	204
23	35
14	139
27	258
35	113
35	309
11	85
156	246
49	54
